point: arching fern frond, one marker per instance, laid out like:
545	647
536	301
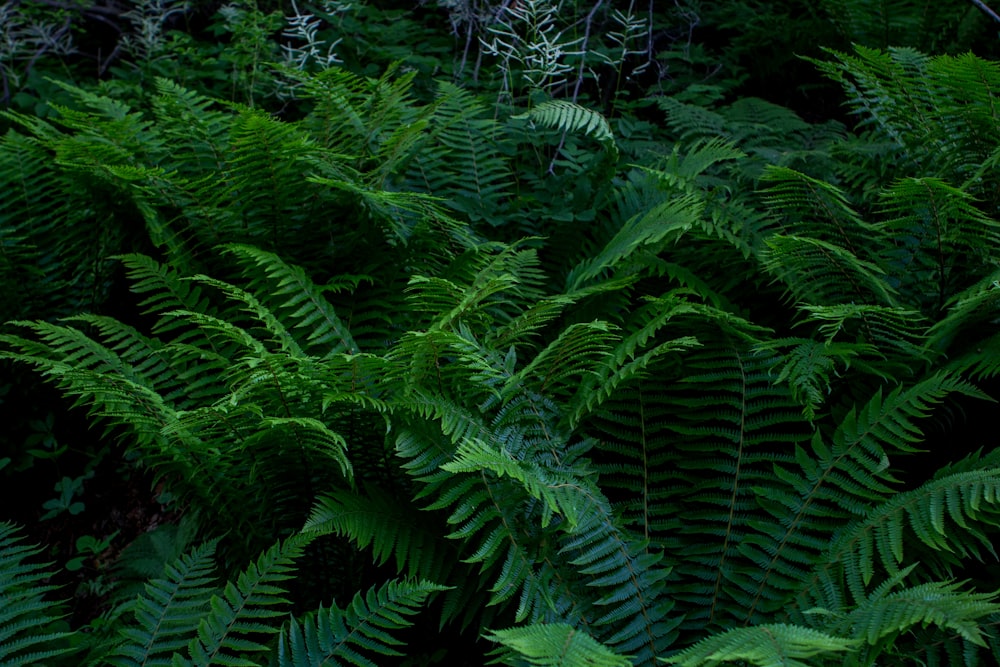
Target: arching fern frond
461	160
647	232
358	634
567	116
815	271
809	206
167	615
952	516
392	528
553	645
809	366
773	645
942	240
558	368
27	632
834	482
886	613
297	299
240	616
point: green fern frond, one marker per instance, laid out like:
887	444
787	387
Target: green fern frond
648	232
954	514
815	271
297	299
809	366
969	313
569	117
168	613
834	482
633	355
720	425
554	645
562	364
358	634
936	111
811	207
942	240
461	160
894	331
773	645
558	493
888	612
28	634
240	616
391	528
166	290
634	613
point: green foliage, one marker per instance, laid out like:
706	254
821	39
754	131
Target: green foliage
774	645
595	412
28	623
555	645
362	628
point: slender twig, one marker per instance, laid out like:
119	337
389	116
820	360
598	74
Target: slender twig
587	25
103	67
43	49
583	47
986	10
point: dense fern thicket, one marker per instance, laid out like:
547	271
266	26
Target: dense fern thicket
541	345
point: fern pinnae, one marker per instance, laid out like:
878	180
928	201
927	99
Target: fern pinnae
357	634
555	645
764	646
243	611
965	498
27	622
298	294
167	614
858	448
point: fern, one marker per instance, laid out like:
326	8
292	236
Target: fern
240	614
877	542
774	645
567	116
393	529
356	632
942	239
461	161
28	630
167	615
554	645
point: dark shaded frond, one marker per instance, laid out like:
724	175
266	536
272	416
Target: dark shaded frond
27	621
358	634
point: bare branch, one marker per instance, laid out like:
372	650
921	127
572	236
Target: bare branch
986	10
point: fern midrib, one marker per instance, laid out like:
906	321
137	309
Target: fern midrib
800	516
736	483
147	650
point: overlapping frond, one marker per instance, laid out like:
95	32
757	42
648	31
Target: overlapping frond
772	645
358	634
167	614
28	632
554	645
461	160
240	617
833	482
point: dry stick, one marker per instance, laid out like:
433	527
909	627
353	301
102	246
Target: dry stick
986	10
